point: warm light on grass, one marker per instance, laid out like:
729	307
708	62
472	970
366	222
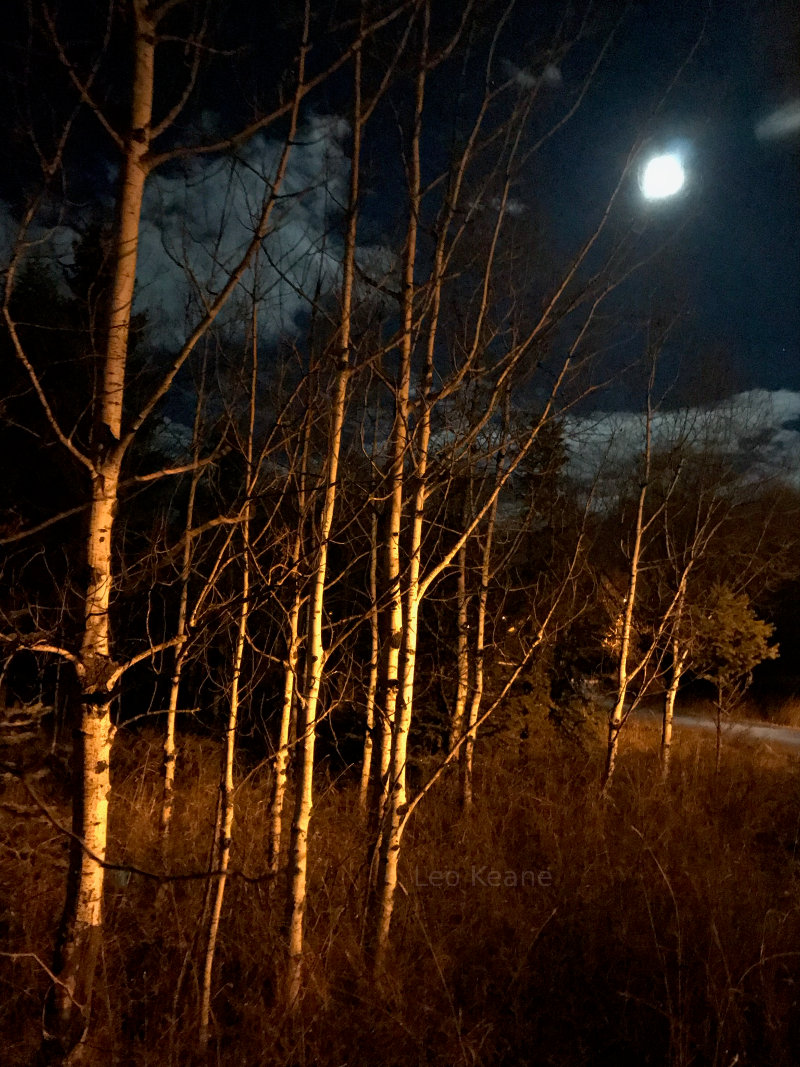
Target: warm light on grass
679	910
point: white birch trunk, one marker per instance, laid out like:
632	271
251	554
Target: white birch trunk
396	796
462	652
678	661
69	1008
315	651
476	699
288	721
617	717
399	447
281	767
372	681
618	714
226	793
181	630
226	803
307	719
679	657
468	752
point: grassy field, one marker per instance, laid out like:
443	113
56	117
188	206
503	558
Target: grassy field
659	927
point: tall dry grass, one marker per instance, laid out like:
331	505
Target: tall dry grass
667	932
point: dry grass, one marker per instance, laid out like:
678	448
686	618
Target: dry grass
669	933
787	712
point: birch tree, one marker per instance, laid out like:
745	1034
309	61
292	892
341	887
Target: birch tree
639	668
143	142
314	645
222	851
478	347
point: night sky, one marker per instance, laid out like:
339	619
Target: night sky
691	76
735	263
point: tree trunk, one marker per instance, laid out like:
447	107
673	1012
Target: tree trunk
476	699
618	714
315	651
226	801
372	682
678	661
288	722
406	621
181	629
468	752
281	765
462	652
226	805
68	1012
617	718
307	719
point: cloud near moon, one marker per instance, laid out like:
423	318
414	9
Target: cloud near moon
783	122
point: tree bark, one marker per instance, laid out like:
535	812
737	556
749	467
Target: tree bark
372	681
468	753
315	650
679	656
226	799
462	652
181	629
290	686
68	1012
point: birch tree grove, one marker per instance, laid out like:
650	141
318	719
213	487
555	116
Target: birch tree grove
316	537
115	431
490	340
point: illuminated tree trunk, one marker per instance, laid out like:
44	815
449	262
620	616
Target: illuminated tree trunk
226	804
181	628
679	657
403	616
462	651
399	447
372	681
315	650
309	699
617	717
468	752
226	793
290	687
618	713
69	1007
281	765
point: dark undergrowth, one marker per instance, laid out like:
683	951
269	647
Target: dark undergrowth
659	927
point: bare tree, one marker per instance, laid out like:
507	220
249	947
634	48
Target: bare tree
118	424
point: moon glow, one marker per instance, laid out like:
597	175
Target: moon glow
662	176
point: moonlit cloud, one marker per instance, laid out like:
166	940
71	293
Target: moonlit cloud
783	122
197	222
758	430
197	225
511	207
41	241
526	79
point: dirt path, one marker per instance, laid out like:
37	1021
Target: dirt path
749	729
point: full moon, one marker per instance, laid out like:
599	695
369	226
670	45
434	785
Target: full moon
662	176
